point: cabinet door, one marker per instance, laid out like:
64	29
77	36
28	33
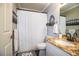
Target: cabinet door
5	29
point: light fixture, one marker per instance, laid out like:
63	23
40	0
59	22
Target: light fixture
62	4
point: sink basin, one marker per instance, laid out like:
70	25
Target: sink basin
66	43
41	46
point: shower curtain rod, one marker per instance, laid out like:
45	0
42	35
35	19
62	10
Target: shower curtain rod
25	9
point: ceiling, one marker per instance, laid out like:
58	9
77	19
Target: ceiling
68	7
40	7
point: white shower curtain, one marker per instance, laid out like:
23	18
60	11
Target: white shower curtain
32	29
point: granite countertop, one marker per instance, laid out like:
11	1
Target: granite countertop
69	47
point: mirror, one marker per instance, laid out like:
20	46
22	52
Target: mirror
51	21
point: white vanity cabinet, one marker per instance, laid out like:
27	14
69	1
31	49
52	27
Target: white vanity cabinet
52	50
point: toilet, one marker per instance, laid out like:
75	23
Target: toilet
42	48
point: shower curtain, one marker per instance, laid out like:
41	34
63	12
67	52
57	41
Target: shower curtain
31	28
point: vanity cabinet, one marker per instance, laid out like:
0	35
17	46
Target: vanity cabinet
52	50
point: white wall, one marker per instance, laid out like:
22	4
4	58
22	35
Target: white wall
62	23
72	14
53	9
